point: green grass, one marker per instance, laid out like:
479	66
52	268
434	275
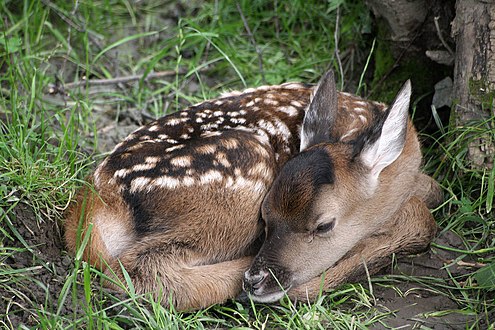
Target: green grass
50	133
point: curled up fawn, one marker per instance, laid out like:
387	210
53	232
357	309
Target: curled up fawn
274	190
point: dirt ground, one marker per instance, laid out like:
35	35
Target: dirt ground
410	304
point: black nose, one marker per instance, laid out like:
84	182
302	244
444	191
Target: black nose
253	282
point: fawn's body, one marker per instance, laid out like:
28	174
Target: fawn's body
178	202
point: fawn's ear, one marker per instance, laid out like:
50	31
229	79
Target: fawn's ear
321	113
379	153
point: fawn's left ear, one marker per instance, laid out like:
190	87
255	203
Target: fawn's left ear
321	113
382	152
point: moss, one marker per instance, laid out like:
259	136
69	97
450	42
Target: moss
389	74
480	90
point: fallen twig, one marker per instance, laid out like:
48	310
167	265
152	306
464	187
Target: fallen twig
119	80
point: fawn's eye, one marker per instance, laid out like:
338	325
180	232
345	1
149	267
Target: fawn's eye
325	227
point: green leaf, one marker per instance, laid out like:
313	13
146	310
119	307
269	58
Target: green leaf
486	276
490	191
11	45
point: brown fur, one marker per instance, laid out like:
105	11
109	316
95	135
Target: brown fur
177	203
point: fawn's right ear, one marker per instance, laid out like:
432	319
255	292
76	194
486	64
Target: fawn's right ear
321	113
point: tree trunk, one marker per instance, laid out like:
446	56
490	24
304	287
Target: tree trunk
474	73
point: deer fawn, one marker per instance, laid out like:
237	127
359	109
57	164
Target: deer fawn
265	189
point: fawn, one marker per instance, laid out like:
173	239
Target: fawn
265	189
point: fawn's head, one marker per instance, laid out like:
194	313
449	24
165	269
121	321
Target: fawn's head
329	196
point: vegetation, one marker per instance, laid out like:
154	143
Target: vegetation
58	64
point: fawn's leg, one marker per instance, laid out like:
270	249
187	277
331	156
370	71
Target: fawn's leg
182	276
409	231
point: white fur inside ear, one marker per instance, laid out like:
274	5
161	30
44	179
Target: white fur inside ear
387	148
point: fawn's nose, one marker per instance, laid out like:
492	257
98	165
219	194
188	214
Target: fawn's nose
253	282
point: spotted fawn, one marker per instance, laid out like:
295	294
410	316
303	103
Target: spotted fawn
273	190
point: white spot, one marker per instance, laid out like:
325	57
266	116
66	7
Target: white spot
233	114
144	137
292	85
242	112
143	167
184	114
122	173
267	126
177	147
190	129
188	181
153	128
249	90
185	136
262	137
352	131
152	159
218	102
211	176
182	161
209	127
222	159
140	183
270	102
211	134
296	104
199	120
167	182
206	149
97	176
176	121
218	113
250	104
163	136
240	183
363	119
289	110
171	141
238	120
258	99
265	88
131	136
358	109
230	143
283	129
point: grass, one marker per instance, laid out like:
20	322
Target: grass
52	134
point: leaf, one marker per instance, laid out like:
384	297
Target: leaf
490	191
486	276
11	45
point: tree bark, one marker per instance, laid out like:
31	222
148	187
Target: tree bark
402	16
473	30
474	74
